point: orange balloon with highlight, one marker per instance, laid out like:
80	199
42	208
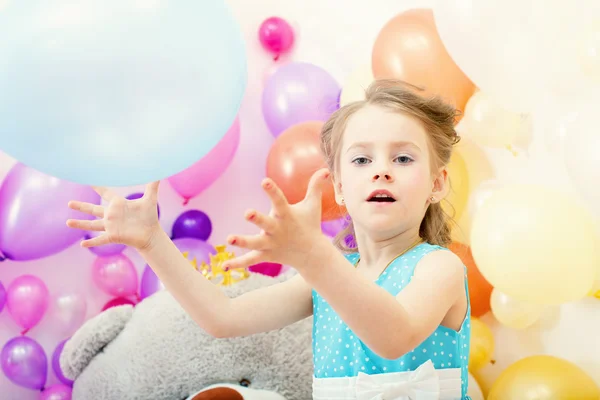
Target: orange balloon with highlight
409	48
480	290
294	157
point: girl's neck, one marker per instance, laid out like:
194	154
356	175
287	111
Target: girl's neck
381	252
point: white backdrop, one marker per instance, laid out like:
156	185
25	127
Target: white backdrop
336	35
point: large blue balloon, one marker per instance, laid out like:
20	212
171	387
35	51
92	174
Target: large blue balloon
117	92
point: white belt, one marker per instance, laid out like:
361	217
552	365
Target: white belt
424	383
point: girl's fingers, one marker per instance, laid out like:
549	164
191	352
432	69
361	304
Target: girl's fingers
86	225
245	260
96	241
151	191
264	222
280	203
88	208
105	193
250	242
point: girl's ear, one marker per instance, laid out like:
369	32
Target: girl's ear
441	185
337	187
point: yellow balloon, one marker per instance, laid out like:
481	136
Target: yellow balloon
544	378
535	244
512	312
458	196
481	346
489	124
357	83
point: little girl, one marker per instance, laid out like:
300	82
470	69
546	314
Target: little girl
391	316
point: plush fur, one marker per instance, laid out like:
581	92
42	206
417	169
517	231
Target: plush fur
156	352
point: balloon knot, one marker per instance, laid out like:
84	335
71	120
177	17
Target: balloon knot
186	201
276	57
24	332
2	256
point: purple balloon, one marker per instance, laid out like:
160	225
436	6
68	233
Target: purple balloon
135	196
24	362
150	283
27	300
57	392
193	224
2	296
56	364
33	212
194	249
333	227
298	92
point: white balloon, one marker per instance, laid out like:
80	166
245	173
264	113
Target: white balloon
68	312
494	43
474	391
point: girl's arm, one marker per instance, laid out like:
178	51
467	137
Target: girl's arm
257	311
390	326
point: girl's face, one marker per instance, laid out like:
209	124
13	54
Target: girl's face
385	176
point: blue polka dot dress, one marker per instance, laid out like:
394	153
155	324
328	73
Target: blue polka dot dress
338	352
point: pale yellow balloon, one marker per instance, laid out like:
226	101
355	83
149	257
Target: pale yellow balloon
458	195
482	345
589	51
544	378
357	83
535	244
489	124
514	313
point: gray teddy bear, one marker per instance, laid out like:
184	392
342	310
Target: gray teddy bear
155	351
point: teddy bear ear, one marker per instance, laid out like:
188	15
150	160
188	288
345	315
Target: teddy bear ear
91	338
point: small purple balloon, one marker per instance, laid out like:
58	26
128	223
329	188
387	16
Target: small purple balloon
34	211
24	363
195	249
56	364
333	227
298	92
150	283
2	296
135	196
193	224
57	392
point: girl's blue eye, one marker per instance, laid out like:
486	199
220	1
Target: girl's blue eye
361	160
404	159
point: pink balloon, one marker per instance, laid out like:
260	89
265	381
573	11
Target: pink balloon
192	181
276	35
118	301
115	275
27	300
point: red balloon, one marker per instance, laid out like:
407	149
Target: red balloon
294	157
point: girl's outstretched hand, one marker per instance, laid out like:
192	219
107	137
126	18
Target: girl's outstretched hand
130	222
289	232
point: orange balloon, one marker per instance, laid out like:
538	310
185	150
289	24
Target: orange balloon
409	48
294	157
480	290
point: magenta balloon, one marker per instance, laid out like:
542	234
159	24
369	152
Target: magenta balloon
24	362
56	364
57	392
115	275
118	301
276	35
2	296
33	213
27	300
194	180
266	268
298	92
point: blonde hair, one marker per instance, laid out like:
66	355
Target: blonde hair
438	119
